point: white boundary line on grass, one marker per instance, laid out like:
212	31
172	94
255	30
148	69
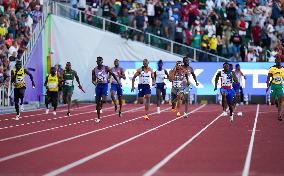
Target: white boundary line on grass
249	154
94	155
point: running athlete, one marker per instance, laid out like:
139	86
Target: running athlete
115	88
52	86
18	79
239	75
100	80
68	85
145	74
177	77
227	91
160	76
276	73
190	71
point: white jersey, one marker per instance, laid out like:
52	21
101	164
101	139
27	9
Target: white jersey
160	76
239	76
145	77
226	79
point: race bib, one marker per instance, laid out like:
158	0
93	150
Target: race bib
18	80
100	78
177	84
52	85
278	79
68	82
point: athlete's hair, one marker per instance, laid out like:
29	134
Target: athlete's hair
226	63
237	65
160	61
99	58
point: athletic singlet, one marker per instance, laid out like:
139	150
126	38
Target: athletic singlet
117	72
160	76
188	71
178	81
20	78
68	78
52	83
101	74
145	78
226	80
239	77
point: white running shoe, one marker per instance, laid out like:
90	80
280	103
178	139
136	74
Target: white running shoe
185	115
46	111
158	110
224	114
54	112
101	111
163	102
97	120
22	108
240	114
231	118
227	110
17	117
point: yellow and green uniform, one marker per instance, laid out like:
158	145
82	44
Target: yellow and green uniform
52	83
19	82
68	78
277	81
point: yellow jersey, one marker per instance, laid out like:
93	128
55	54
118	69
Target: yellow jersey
20	78
277	74
52	83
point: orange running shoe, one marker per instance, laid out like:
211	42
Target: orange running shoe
146	117
174	110
178	114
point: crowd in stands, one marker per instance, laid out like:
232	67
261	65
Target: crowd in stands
241	30
18	19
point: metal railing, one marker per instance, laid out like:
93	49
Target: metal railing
4	94
128	32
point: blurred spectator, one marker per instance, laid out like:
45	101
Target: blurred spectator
236	25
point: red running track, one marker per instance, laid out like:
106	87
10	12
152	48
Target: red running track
132	146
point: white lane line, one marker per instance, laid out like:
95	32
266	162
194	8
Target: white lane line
55	118
67	139
155	168
49	129
249	154
32	115
94	155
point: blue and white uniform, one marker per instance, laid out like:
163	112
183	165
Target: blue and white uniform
114	85
102	83
227	86
237	86
144	87
160	80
